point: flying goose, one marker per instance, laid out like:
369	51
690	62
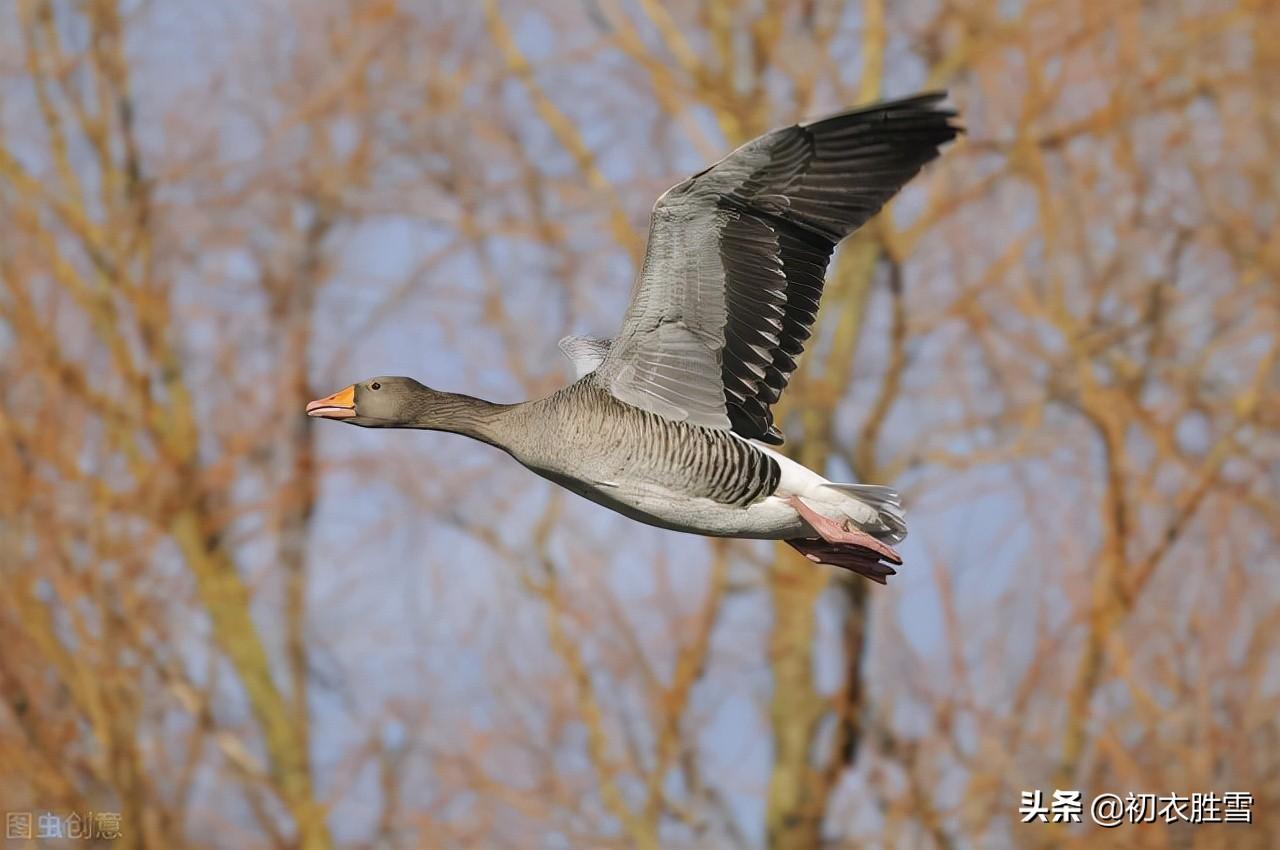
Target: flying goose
667	423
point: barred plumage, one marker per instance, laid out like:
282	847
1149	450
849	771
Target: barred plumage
583	426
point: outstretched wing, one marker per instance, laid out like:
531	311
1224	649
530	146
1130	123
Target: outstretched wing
737	255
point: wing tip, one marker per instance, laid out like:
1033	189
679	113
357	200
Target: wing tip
921	104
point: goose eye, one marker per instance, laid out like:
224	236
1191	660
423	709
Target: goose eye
375	386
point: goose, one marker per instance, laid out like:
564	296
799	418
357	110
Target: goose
669	423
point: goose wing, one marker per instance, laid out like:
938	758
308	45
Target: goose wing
586	353
737	255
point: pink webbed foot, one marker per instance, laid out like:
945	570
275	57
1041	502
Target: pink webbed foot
840	546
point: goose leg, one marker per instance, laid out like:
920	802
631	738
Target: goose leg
841	546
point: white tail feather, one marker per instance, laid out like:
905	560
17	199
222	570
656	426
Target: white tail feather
874	508
886	502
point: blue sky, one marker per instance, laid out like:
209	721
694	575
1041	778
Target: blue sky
420	632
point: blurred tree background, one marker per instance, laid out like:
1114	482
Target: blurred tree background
238	629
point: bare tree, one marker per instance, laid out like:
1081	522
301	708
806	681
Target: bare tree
1061	341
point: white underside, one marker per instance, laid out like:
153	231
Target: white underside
771	518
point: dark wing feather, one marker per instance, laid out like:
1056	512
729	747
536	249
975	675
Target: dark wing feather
737	257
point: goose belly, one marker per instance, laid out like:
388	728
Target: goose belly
769	518
655	470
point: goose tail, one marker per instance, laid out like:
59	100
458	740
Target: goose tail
889	524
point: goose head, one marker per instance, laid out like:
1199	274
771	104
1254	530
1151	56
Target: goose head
383	402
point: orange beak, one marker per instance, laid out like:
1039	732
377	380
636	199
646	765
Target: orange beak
340	405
